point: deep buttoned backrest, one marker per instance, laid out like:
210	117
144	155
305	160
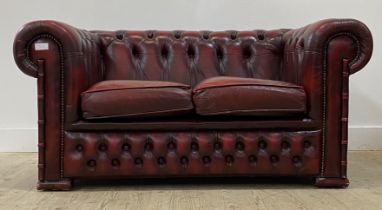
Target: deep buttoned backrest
191	56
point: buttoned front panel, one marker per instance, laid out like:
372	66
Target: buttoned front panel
150	154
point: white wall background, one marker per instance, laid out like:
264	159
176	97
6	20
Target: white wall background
18	110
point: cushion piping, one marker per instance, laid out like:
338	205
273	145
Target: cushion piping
138	114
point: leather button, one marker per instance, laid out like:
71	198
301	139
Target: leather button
177	34
150	34
119	36
115	162
194	146
91	163
262	144
285	145
206	35
184	161
240	146
307	144
148	146
252	159
171	146
79	148
274	159
233	35
206	160
161	161
102	147
218	145
126	147
229	159
296	159
138	161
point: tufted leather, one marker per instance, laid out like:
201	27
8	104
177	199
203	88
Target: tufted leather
220	96
306	51
151	154
136	99
77	51
318	57
190	56
313	39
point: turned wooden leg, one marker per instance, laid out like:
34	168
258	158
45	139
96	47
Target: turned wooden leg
64	184
332	182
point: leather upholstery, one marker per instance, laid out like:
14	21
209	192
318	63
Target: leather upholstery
78	51
318	57
132	99
248	97
214	96
190	56
306	51
152	154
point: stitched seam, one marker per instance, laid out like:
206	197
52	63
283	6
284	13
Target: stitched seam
62	92
185	88
255	111
153	112
303	51
246	85
324	75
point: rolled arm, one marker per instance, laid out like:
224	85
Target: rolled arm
320	57
316	51
314	38
73	40
78	59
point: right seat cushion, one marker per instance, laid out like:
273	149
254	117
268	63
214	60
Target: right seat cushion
248	97
136	99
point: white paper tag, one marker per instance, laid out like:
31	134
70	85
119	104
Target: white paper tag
41	46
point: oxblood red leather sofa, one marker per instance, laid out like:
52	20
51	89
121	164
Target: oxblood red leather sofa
138	104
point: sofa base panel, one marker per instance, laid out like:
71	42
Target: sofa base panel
332	182
64	184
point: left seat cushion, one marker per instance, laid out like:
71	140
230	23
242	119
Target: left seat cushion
136	99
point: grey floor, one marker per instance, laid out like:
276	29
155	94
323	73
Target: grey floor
18	175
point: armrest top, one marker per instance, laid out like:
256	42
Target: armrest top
72	39
315	38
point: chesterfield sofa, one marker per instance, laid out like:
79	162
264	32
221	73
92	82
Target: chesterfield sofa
161	104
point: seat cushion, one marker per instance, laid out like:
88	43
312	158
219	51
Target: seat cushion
249	97
134	99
